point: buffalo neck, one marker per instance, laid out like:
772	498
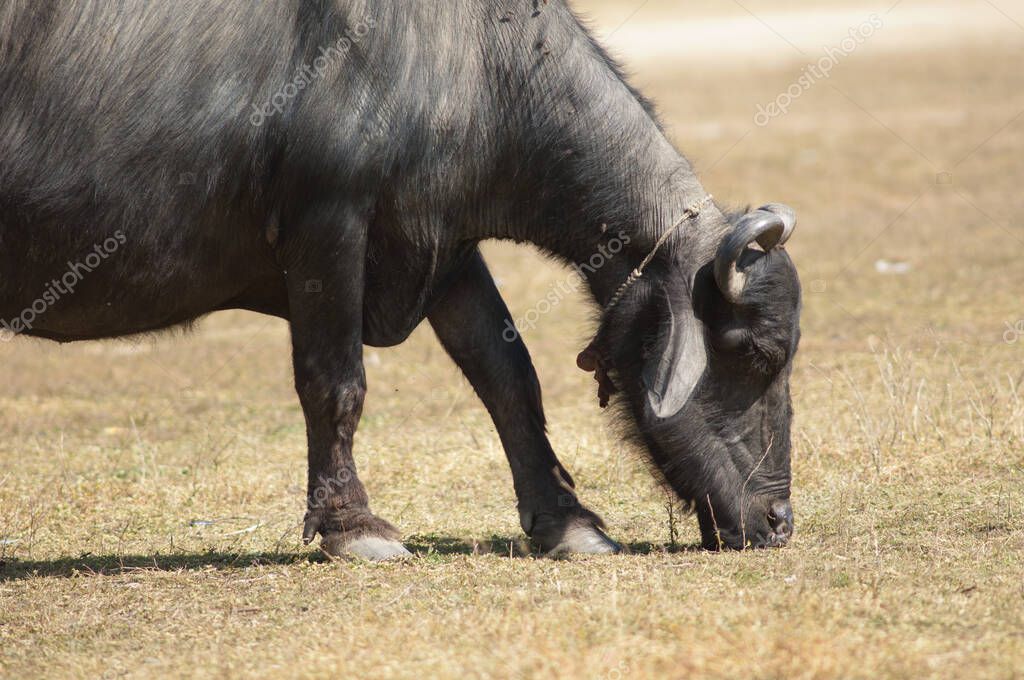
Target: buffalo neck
603	182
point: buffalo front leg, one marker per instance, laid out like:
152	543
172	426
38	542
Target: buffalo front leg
325	292
473	324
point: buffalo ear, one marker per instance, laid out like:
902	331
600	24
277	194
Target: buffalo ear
672	374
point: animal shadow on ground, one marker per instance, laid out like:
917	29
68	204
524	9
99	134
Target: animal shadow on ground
520	546
14	569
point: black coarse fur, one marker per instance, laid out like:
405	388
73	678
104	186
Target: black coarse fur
224	168
734	433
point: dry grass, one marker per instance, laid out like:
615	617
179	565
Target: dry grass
151	491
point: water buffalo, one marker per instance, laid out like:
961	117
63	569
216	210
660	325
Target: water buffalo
336	163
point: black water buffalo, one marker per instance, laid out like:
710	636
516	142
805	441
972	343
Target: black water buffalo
336	163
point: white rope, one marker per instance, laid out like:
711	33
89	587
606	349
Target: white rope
690	213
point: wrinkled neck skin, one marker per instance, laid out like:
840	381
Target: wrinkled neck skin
600	171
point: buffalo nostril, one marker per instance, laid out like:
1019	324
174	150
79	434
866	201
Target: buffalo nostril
780	518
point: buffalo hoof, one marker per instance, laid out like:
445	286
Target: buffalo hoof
369	548
584	539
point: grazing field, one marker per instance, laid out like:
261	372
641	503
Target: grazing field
152	490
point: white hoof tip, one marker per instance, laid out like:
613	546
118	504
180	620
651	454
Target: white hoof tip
585	540
370	548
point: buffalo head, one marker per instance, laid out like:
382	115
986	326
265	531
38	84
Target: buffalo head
702	353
